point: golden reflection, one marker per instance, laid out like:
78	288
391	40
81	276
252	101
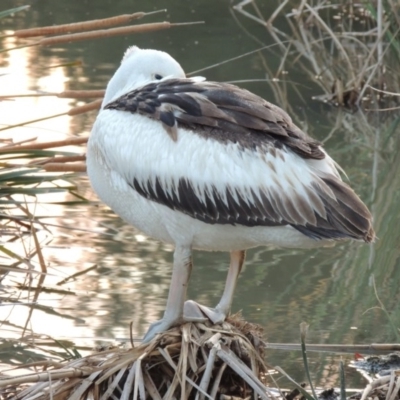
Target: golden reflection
61	260
18	80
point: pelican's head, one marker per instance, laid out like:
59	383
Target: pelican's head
139	67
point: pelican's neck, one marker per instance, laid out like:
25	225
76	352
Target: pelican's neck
121	84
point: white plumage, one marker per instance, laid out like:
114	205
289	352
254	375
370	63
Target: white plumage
211	166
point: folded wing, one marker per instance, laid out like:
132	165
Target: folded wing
240	160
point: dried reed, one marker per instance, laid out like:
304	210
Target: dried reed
67	94
344	48
193	361
79	26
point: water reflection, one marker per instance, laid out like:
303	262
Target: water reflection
331	288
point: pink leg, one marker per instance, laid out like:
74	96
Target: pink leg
218	314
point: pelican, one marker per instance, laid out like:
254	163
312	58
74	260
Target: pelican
208	165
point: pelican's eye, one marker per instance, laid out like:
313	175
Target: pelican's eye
158	76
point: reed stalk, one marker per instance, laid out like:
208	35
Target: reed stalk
79	26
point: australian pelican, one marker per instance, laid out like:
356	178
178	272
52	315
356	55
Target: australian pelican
208	165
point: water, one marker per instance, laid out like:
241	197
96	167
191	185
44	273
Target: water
128	277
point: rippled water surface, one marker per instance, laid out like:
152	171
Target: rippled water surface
128	274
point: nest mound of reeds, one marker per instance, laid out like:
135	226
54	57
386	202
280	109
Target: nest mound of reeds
192	361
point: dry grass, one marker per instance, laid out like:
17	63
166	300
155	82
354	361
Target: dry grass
193	361
346	48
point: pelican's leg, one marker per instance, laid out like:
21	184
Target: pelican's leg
173	314
218	314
